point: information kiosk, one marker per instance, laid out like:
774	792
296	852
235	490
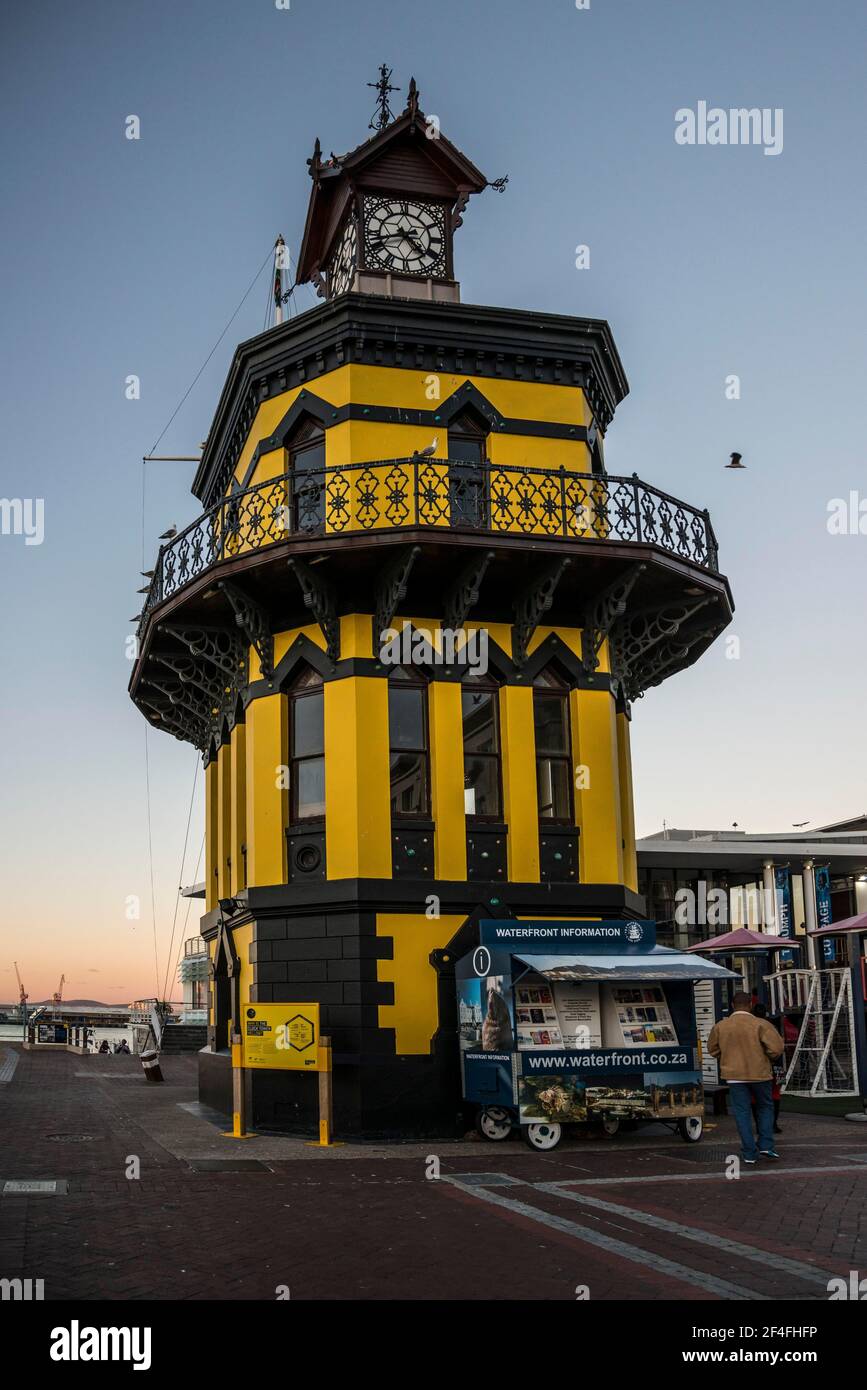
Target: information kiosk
577	1022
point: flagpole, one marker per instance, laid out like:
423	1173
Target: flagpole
279	257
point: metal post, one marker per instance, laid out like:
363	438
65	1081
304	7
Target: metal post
859	1016
326	1098
239	1091
810	919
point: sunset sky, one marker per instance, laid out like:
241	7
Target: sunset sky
128	257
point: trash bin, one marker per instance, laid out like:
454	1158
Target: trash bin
150	1061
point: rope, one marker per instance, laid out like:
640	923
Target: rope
187	917
181	875
214	348
151	857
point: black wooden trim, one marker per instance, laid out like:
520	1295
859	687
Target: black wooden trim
328	415
553	651
438	337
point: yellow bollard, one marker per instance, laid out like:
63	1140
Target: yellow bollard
326	1098
239	1094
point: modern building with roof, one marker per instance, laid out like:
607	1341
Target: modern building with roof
815	876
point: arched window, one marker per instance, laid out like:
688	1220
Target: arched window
408	744
306	748
481	726
553	748
307	473
467	459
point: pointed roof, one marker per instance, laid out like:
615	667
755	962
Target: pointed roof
399	157
857	923
745	940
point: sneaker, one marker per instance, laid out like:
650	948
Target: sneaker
768	1153
751	1161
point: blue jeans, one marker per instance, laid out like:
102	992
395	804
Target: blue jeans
741	1094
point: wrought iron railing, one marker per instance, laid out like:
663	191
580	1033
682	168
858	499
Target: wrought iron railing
410	494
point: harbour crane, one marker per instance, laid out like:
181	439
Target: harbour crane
57	997
22	997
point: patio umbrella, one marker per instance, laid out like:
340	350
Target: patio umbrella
742	939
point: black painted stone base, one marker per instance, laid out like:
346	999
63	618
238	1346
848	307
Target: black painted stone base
215	1080
319	944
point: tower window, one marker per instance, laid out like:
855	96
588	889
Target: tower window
481	726
553	748
307	476
307	748
408	744
467	458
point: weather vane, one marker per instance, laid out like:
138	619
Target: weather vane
383	114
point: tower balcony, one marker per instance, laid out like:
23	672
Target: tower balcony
441	501
614	556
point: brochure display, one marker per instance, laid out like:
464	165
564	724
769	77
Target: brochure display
577	1022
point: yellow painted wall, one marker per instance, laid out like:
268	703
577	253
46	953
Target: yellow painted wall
363	440
413	1015
224	819
447	780
597	806
244	804
627	807
238	813
266	799
357	808
212	850
520	800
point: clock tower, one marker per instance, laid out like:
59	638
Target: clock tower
406	633
382	218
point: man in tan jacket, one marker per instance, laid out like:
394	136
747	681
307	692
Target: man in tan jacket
746	1047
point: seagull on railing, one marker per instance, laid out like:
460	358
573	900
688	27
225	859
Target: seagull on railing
736	462
167	535
146	574
429	450
145	590
134	619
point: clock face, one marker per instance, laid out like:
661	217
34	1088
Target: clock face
405	236
343	265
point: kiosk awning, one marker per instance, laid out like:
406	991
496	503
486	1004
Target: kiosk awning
658	964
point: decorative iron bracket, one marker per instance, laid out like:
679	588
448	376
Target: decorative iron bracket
319	597
633	637
667	658
182	721
189	671
391	589
253	621
602	614
532	605
222	647
463	595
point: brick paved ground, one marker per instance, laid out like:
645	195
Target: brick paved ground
644	1216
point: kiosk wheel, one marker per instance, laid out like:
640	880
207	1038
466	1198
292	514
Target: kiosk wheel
542	1135
610	1125
690	1129
494	1122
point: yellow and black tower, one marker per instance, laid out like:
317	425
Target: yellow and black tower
405	634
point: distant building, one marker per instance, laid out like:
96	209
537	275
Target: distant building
698	883
193	974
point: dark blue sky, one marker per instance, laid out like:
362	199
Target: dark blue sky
124	257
